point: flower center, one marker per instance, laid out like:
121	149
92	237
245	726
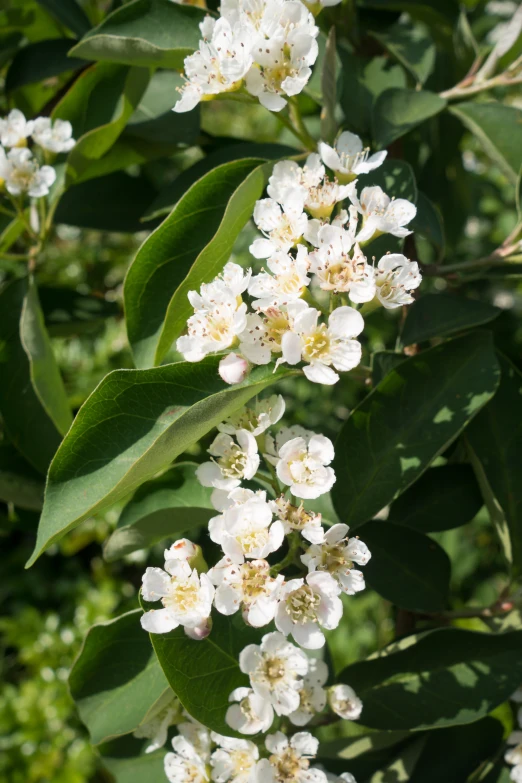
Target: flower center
254	581
333	559
182	596
288	766
274	670
277	324
233	464
242	761
349	161
252	540
302	604
316	344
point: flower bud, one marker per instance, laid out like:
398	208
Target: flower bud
183	549
200	632
233	368
344	702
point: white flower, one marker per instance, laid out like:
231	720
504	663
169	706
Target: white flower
322	346
182	549
289	182
15	129
251	714
233	461
219	315
381	214
244	530
276	669
233	369
337	270
156	727
55	137
285	284
344	702
196	734
283	227
336	555
306	605
22	174
395	277
235	761
303	465
348	158
186	597
249	586
289	760
256	420
296	518
312	695
185	765
218	66
265	331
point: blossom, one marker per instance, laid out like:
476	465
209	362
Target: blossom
264	333
395	277
296	518
381	214
305	605
321	345
249	713
233	461
55	137
245	530
337	270
344	702
303	465
218	66
185	765
219	315
289	181
235	760
182	549
233	368
285	284
186	597
312	695
276	669
249	586
336	555
283	227
22	174
14	129
289	760
156	726
256	420
348	158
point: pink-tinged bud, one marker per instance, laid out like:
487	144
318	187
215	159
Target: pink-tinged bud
183	549
233	368
200	631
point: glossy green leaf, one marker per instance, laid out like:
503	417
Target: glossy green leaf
401	767
67	311
428	222
384	362
41	60
470	673
166	507
398	111
98	106
414	413
438	315
127	762
10	231
133	425
412	45
69	13
189	248
445	497
395	177
32	398
203	674
499	129
144	32
20	483
116	678
407	567
496	439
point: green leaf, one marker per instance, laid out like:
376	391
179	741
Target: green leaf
414	413
116	678
398	111
127	762
470	673
496	439
155	33
11	230
443	498
428	222
384	362
67	311
499	129
407	568
167	506
98	106
203	674
189	248
41	60
435	12
438	315
134	424
112	203
412	45
402	765
395	177
329	89
20	484
69	13
32	398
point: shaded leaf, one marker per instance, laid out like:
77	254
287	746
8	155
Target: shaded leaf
412	45
69	13
39	61
384	362
134	424
20	483
428	222
398	111
67	311
438	315
126	760
395	177
414	413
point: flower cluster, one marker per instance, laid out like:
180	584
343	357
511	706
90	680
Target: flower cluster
22	171
514	755
265	49
313	248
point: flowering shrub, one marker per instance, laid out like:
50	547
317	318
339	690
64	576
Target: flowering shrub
320	387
